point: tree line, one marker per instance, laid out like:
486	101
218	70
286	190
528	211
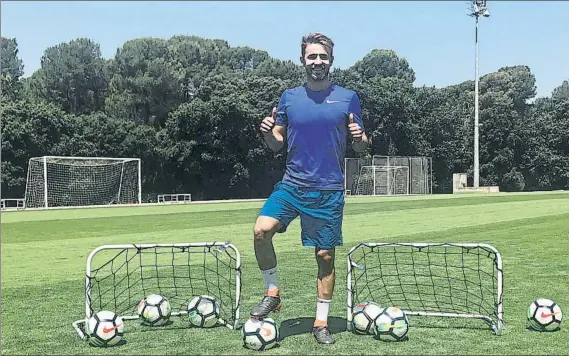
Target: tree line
190	108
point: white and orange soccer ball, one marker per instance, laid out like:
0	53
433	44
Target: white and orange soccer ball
104	328
391	324
260	334
544	315
363	317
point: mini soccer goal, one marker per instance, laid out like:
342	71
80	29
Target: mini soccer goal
174	198
119	276
383	180
428	279
82	181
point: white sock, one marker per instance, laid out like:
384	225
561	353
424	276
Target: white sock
322	310
270	278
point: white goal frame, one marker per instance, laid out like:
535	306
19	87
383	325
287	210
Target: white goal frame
221	245
174	198
497	325
390	171
45	161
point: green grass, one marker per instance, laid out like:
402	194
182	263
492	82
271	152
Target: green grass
44	255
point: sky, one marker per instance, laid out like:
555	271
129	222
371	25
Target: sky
436	38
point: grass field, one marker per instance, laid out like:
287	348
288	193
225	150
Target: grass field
44	255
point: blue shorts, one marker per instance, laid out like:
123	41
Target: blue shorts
321	213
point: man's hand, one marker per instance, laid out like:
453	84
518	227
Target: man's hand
355	129
269	122
273	138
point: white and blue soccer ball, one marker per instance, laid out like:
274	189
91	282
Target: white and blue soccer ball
104	329
203	311
363	317
391	324
260	334
544	315
154	310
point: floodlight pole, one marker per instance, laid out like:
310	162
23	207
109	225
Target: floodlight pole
476	112
478	8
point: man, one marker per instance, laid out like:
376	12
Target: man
317	119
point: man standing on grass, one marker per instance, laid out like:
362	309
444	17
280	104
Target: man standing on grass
316	118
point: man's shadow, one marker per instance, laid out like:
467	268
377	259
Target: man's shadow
303	325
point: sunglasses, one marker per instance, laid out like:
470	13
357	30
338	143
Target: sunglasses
323	56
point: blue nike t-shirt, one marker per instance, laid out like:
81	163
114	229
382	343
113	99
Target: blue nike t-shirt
317	134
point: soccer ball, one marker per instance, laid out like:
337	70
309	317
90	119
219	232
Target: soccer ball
104	328
364	315
391	324
544	315
260	334
203	311
154	310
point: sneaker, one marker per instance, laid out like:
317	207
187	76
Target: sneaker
270	303
322	335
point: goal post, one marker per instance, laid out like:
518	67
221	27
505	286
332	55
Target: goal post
383	180
58	181
119	276
462	280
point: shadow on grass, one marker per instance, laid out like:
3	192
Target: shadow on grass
449	324
303	325
118	344
529	328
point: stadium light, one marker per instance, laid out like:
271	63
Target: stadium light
477	8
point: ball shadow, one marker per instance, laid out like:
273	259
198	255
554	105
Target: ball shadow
529	328
168	323
404	339
118	344
303	325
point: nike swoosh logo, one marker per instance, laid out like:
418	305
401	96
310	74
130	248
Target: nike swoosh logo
332	101
547	315
108	330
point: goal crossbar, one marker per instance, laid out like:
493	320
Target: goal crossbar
453	280
60	181
127	273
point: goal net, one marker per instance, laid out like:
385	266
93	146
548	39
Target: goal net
82	181
428	279
420	171
119	276
383	180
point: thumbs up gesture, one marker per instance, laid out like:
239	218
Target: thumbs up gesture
354	129
269	122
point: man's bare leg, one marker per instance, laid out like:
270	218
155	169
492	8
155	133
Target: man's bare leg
264	230
325	287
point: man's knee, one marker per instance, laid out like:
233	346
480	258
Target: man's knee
325	255
265	227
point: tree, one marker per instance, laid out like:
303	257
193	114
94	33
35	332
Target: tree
28	130
11	68
71	76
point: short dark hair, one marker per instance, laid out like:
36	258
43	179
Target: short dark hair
317	38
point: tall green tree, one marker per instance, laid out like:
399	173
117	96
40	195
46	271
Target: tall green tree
72	77
11	68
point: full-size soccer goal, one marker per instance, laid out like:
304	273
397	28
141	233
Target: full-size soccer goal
428	279
383	180
82	181
119	276
389	178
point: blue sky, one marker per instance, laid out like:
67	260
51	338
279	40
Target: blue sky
437	38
